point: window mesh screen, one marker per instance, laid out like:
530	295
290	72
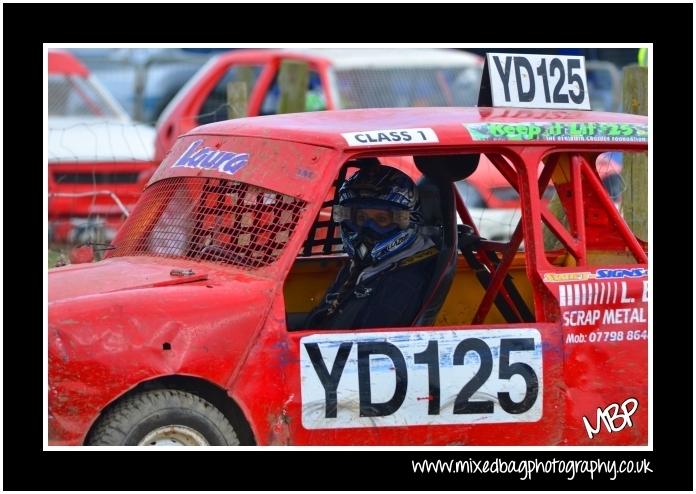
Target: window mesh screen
407	87
210	220
71	96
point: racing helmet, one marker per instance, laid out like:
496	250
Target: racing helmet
378	212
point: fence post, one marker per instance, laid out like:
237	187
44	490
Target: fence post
141	71
551	242
236	99
293	79
634	202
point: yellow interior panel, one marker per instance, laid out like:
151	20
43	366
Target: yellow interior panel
310	277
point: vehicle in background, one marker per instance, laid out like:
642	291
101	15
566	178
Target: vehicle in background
143	80
348	78
605	85
98	159
609	166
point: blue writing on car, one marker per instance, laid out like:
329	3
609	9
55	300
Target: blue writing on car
621	273
211	159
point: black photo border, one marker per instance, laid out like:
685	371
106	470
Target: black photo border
27	26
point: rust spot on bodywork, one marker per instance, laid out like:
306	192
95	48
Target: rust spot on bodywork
280	426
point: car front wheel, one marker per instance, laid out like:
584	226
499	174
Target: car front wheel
164	417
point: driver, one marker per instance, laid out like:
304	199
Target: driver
391	257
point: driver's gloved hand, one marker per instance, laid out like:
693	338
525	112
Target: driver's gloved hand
466	236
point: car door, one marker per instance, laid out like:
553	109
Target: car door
463	380
213	106
600	286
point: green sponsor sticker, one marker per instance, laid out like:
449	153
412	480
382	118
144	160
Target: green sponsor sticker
558	131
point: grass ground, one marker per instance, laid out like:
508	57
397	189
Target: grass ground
52	258
54	253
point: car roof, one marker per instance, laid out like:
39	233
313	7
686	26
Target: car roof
361	58
62	62
367	58
325	128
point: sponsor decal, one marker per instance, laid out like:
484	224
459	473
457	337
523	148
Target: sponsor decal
598	293
211	159
305	173
557	277
558	131
397	241
593	317
419	256
390	136
621	273
386	379
607	336
600	274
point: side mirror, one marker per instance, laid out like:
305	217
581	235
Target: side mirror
81	254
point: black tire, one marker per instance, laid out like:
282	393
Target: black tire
166	415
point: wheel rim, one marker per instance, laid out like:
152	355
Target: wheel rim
174	435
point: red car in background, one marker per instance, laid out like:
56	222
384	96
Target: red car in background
98	159
339	78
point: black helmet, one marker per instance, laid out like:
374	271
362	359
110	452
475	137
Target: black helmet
379	213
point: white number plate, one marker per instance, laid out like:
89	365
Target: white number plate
421	377
538	81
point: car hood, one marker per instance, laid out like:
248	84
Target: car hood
99	139
117	322
129	273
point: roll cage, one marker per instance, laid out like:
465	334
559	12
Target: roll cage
574	175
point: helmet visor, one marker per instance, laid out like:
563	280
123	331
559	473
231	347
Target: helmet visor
382	218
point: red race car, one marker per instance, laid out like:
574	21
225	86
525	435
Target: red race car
99	160
190	331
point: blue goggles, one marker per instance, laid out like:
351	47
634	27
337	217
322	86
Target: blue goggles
379	220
